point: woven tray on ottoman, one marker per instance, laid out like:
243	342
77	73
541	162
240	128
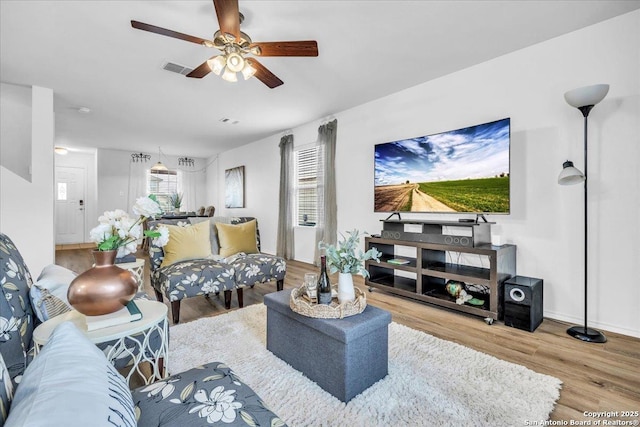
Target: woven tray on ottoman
301	305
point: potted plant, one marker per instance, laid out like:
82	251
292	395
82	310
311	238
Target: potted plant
175	200
348	259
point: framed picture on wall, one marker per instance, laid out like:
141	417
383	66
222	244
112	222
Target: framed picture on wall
234	187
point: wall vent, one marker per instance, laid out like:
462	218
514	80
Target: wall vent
176	68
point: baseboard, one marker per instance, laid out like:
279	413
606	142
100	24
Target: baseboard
68	246
593	324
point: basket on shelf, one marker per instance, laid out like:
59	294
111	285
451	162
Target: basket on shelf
300	303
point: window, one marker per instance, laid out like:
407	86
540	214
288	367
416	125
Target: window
306	185
62	191
162	184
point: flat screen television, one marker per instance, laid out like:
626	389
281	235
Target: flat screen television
459	171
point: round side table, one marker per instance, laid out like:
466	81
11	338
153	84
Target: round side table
132	338
137	269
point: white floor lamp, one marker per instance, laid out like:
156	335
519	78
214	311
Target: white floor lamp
583	99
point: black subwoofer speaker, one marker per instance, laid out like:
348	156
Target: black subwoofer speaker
523	303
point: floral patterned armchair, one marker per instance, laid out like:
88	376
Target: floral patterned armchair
193	277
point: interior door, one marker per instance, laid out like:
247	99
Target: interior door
70	204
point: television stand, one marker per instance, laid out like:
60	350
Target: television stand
425	273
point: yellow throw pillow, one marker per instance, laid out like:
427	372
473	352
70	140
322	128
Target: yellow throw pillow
237	238
186	243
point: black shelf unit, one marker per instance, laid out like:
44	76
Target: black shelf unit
432	270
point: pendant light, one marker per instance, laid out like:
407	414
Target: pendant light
159	167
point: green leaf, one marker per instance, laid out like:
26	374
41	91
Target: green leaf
152	233
277	422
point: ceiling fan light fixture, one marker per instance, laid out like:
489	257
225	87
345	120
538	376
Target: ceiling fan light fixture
235	62
248	71
229	75
217	64
230	37
255	50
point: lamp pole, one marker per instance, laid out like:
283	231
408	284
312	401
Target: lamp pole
584	100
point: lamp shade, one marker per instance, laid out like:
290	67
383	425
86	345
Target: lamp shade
159	167
235	62
248	71
229	75
588	95
217	64
570	175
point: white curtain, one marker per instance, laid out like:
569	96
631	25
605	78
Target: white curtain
137	182
187	185
327	226
285	245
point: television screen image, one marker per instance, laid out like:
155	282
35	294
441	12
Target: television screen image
463	171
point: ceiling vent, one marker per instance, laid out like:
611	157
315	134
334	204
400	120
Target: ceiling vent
176	68
229	121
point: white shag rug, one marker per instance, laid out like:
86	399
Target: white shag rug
431	382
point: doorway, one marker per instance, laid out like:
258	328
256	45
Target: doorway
70	199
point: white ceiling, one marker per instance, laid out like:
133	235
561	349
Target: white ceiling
87	52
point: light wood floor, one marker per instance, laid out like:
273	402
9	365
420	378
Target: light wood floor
596	377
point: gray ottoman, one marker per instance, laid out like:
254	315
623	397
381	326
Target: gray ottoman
343	356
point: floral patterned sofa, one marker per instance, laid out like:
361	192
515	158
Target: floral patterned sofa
38	391
203	276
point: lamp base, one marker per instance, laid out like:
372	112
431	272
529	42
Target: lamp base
587	335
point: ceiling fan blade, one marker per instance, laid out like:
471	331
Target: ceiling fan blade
169	33
201	70
228	16
295	48
264	75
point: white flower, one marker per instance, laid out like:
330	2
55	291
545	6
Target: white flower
127	249
252	270
146	207
189	280
210	286
100	233
163	239
220	405
111	217
8	325
162	388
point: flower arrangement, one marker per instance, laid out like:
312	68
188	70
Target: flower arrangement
118	231
347	257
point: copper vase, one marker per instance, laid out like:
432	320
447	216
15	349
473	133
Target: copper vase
102	289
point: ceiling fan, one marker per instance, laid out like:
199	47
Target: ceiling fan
236	47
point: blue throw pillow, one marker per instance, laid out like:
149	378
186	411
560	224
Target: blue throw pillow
70	383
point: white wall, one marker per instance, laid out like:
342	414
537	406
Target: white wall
546	219
261	163
15	129
26	208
